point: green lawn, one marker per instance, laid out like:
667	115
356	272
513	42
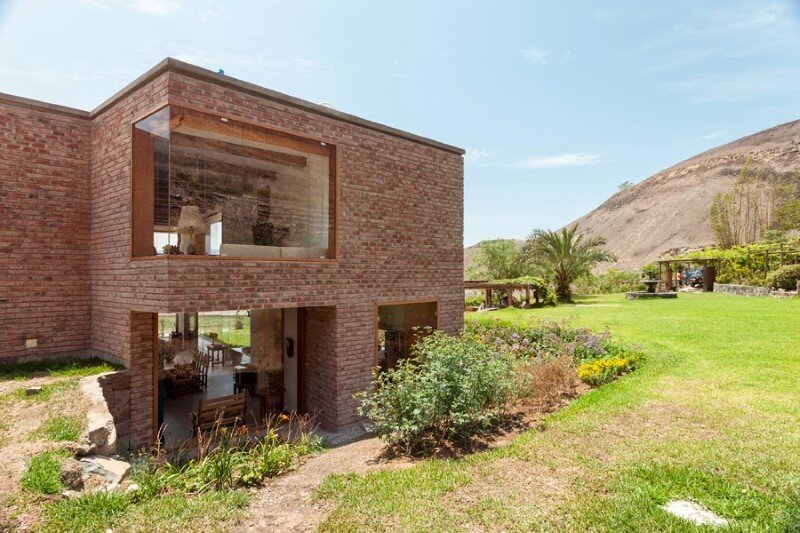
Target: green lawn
712	416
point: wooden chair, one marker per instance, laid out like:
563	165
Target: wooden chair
222	411
201	371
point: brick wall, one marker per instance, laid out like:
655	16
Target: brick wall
44	236
400	213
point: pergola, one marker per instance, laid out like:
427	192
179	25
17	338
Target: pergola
490	286
708	264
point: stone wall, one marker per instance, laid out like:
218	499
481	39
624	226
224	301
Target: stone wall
741	290
116	389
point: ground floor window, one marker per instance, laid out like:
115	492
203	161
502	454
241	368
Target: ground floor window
205	357
400	326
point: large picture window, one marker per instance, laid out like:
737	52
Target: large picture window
205	185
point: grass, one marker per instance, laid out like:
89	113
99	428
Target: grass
43	475
119	512
61	428
56	368
711	416
46	394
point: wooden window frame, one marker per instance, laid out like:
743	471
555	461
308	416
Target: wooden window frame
291	139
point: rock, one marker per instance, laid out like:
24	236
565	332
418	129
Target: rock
69	494
694	513
100	430
72	475
103	473
133	487
32	391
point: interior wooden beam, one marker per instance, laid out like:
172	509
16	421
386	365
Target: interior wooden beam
222	147
180	158
200	122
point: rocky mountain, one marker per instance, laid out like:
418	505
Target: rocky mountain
669	210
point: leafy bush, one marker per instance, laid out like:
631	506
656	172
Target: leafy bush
599	371
609	282
473	301
541	341
541	345
43	475
744	265
650	270
451	389
785	278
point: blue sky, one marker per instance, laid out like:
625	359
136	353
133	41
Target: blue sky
556	102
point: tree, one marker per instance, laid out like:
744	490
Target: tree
760	200
564	255
625	185
497	259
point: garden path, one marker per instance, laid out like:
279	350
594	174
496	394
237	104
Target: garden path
286	503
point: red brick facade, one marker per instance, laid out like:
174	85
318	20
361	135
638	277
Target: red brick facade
68	276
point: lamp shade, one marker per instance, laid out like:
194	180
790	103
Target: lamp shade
191	220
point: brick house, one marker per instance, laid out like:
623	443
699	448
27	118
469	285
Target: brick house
211	215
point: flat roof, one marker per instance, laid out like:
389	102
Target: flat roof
180	67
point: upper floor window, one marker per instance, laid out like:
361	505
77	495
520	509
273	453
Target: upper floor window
208	185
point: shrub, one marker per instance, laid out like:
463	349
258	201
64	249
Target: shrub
43	475
548	379
449	390
599	371
541	341
227	459
540	344
785	278
473	301
609	282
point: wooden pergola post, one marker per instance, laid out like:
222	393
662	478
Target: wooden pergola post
669	277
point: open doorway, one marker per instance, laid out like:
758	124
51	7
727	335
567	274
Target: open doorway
400	326
217	355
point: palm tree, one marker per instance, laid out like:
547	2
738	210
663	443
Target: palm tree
564	255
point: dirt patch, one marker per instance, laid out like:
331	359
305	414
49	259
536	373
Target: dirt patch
20	418
508	492
658	421
285	503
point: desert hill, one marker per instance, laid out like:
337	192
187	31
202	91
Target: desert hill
669	210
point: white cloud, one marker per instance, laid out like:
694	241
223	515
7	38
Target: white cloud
476	155
571	159
535	56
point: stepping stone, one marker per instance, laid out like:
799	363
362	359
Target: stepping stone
694	513
32	391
